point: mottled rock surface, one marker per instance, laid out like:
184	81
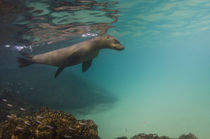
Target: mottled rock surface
155	136
47	124
149	136
188	136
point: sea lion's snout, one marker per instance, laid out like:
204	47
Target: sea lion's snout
117	45
112	43
121	48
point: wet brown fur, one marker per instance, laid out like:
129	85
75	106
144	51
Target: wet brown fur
85	51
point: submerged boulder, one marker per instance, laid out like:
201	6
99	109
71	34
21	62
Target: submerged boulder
47	124
188	136
148	136
155	136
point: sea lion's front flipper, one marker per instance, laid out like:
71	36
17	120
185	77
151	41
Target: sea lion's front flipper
86	65
59	71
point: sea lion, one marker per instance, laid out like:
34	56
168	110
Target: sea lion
82	52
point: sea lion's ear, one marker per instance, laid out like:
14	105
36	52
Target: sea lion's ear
86	65
59	70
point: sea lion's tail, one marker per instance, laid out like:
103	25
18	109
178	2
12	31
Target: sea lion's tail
23	62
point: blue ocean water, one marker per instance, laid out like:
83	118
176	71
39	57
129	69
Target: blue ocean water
158	84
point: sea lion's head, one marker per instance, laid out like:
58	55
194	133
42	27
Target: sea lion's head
111	42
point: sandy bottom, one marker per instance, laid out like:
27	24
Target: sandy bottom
169	112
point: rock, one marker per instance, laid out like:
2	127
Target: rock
148	136
188	136
155	136
124	137
47	123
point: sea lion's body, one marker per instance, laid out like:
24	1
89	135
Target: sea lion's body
67	56
82	52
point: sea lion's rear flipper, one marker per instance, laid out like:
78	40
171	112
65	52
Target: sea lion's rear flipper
26	55
86	65
23	62
59	71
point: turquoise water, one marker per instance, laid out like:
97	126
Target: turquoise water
162	77
158	84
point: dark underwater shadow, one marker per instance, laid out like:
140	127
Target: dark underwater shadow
36	85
